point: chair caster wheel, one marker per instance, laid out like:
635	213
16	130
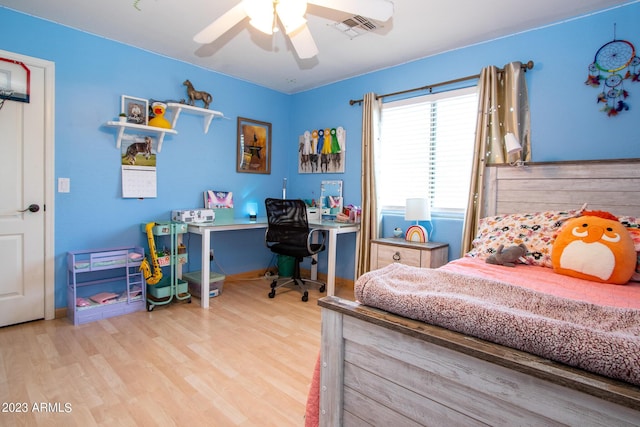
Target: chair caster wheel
274	284
322	288
272	293
150	307
305	296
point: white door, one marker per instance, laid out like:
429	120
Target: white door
24	133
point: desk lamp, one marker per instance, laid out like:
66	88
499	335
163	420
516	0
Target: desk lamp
417	209
253	211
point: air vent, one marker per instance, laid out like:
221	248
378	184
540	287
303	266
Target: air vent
355	26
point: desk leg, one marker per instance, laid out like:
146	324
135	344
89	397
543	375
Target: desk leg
314	265
204	278
357	260
331	261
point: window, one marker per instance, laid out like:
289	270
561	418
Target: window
426	150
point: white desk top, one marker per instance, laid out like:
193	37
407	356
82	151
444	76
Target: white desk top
260	222
234	224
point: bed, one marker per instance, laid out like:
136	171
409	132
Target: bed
442	367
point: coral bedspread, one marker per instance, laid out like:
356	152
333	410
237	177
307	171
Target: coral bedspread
593	326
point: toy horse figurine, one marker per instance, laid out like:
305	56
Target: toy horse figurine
200	95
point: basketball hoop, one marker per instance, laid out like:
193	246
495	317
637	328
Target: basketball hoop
15	81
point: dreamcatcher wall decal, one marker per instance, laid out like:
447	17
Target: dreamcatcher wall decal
608	70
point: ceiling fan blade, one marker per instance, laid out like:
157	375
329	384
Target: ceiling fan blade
303	43
380	10
221	25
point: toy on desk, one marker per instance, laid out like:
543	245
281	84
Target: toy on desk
151	278
354	213
159	121
218	199
193	215
334	201
341	217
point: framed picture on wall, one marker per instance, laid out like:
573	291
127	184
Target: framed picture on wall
136	109
254	146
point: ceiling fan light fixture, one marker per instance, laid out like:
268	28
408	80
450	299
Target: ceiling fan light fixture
261	14
292	24
291	13
264	25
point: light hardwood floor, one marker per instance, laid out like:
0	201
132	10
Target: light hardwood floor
247	361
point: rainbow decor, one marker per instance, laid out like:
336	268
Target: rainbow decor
416	233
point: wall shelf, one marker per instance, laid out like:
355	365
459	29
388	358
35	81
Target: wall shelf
123	126
208	115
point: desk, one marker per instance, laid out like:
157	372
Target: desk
333	228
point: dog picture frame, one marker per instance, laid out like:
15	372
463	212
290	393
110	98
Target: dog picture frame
253	146
136	109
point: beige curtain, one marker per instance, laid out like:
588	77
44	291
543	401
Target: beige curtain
371	107
503	107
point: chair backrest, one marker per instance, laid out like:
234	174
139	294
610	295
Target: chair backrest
287	219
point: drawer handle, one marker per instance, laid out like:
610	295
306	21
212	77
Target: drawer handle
396	256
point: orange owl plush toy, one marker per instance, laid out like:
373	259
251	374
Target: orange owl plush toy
594	247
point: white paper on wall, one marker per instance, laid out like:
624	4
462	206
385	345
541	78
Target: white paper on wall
139	181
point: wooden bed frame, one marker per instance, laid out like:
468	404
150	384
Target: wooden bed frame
378	368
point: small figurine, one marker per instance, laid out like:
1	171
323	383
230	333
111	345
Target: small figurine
200	95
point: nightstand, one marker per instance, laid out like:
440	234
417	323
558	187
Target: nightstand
426	255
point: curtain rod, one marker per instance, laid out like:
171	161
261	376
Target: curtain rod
525	67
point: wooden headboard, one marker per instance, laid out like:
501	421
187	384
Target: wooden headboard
609	185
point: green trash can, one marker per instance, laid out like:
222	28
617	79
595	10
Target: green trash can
286	265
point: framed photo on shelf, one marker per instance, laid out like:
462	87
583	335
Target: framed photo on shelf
254	146
136	109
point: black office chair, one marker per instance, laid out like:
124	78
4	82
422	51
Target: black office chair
288	234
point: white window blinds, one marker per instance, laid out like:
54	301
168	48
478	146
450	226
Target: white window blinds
426	149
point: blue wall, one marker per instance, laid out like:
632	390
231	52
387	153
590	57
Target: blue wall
92	73
565	119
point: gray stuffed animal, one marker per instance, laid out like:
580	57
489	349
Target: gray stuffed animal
509	256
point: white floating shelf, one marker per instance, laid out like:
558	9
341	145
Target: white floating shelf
207	114
122	126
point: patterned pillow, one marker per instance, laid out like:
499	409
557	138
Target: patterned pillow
536	230
633	225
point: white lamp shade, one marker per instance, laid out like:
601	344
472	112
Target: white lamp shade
512	144
417	209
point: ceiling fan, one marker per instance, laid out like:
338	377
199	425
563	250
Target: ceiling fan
265	14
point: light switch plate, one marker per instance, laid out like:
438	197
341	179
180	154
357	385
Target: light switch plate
64	185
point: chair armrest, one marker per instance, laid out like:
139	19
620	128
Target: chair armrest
310	236
266	242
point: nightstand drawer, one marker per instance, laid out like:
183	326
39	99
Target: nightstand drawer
390	254
389	250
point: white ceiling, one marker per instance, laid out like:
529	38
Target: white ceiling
418	28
